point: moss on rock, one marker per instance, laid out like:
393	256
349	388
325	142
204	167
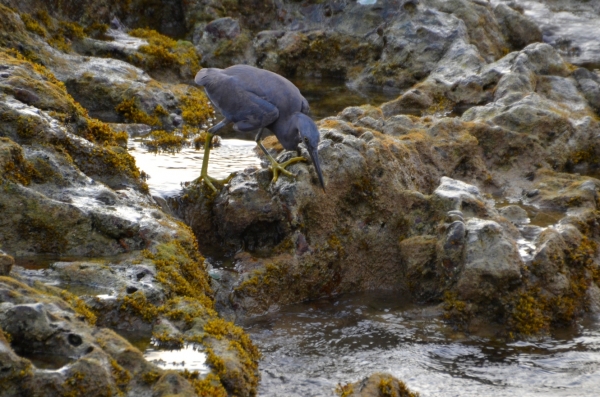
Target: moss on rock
163	53
14	167
376	385
163	141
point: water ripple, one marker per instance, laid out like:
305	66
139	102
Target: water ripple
310	348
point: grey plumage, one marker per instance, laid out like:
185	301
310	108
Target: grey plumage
253	99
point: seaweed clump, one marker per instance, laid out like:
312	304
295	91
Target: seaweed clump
236	380
101	133
163	141
378	384
107	160
59	34
533	311
131	112
162	53
189	306
13	165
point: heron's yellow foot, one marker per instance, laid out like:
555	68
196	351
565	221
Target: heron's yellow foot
210	181
280	168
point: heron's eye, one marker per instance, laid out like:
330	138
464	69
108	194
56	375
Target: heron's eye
305	139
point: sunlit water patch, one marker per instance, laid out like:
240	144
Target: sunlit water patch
310	348
168	171
189	357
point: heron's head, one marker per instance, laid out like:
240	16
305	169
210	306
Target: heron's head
309	135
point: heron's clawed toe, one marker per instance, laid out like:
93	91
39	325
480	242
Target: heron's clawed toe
210	181
280	168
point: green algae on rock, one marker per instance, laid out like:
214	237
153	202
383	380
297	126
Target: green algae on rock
162	54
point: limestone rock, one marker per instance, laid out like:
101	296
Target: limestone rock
515	214
92	359
228	28
460	196
453	248
519	30
589	83
14	370
492	261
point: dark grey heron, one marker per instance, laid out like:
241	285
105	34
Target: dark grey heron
254	99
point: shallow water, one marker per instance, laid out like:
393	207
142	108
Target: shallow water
168	171
537	217
190	358
309	348
328	97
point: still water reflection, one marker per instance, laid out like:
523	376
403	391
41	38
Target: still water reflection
168	171
309	348
190	357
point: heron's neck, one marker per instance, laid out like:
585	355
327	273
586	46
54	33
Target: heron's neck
283	128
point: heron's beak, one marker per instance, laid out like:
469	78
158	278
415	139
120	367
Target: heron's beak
314	155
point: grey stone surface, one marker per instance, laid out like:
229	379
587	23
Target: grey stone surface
492	261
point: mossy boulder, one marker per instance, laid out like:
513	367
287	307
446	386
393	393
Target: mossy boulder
383	44
38	323
162	57
162	293
376	385
303	231
97	83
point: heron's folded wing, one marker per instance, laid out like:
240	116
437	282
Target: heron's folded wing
305	107
253	113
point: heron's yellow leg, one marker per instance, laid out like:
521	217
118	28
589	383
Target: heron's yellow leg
204	177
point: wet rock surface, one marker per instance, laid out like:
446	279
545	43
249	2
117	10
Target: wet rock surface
488	113
42	327
6	263
410	199
377	385
387	43
570	26
72	194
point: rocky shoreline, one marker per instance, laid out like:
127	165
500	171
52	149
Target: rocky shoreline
428	194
